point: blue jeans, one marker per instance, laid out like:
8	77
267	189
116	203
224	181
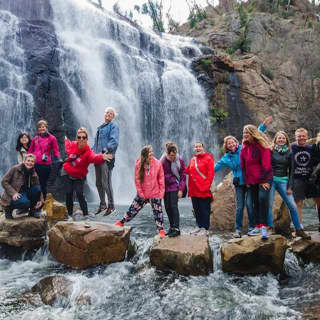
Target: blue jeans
243	197
28	199
281	187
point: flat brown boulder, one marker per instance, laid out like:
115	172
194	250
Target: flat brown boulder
186	254
84	244
307	250
26	232
252	256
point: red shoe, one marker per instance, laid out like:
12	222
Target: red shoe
119	223
161	233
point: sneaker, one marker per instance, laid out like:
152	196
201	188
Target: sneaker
302	234
119	223
169	231
254	232
174	233
161	233
8	213
264	233
109	211
195	231
102	208
237	234
19	212
203	232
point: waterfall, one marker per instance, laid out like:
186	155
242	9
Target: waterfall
16	104
108	62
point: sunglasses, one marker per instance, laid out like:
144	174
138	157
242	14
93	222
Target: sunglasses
81	137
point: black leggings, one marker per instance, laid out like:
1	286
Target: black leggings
43	171
76	185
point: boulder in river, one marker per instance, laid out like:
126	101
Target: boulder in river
307	250
252	255
26	232
186	254
84	244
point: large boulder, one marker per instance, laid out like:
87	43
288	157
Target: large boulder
27	233
187	255
281	217
307	250
84	244
55	211
252	255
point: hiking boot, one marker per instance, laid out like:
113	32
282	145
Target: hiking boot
102	208
254	232
8	213
161	233
302	234
119	223
195	231
110	210
19	212
169	231
203	232
264	233
174	233
237	234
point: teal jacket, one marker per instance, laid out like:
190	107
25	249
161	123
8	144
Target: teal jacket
232	160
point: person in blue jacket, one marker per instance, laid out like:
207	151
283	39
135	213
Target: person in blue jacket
106	141
231	160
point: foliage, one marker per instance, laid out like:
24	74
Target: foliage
196	14
286	14
154	9
206	63
267	72
217	115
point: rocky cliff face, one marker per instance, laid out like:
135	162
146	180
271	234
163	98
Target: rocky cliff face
265	65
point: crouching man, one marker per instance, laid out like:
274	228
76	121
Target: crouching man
21	189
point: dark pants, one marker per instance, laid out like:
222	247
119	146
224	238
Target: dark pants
171	205
43	171
71	186
28	199
104	183
201	207
260	203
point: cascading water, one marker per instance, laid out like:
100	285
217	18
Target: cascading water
108	62
16	104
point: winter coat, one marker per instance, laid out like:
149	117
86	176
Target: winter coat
316	153
44	145
255	163
198	186
78	160
12	182
281	165
153	185
170	180
107	138
232	160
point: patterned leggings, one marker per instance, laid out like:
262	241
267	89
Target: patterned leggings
138	203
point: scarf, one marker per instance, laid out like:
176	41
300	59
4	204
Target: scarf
281	149
175	165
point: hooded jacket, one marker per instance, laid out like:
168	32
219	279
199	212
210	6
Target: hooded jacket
171	181
153	185
199	186
78	160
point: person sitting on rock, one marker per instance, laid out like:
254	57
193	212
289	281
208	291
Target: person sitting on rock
21	189
149	181
175	184
76	168
281	161
23	144
231	160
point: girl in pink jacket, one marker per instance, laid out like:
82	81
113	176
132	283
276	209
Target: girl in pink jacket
149	180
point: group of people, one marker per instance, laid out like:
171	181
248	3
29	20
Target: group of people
259	168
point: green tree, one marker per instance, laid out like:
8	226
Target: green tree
154	9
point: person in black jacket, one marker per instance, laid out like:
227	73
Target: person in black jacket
316	161
281	161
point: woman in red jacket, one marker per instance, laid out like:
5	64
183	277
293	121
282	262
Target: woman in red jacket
149	180
76	168
201	174
257	174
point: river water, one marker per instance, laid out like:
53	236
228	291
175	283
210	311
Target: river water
135	290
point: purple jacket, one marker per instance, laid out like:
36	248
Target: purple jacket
170	180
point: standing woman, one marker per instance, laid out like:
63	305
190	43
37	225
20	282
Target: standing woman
257	175
281	161
41	146
76	167
175	183
149	181
201	174
316	161
23	144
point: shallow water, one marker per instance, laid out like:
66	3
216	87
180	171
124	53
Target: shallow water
133	289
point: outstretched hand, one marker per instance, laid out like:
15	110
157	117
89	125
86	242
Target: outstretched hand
267	120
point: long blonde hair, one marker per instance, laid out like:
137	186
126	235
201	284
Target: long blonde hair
257	135
143	159
276	136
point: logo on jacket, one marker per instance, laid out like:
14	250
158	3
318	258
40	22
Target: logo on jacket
302	158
